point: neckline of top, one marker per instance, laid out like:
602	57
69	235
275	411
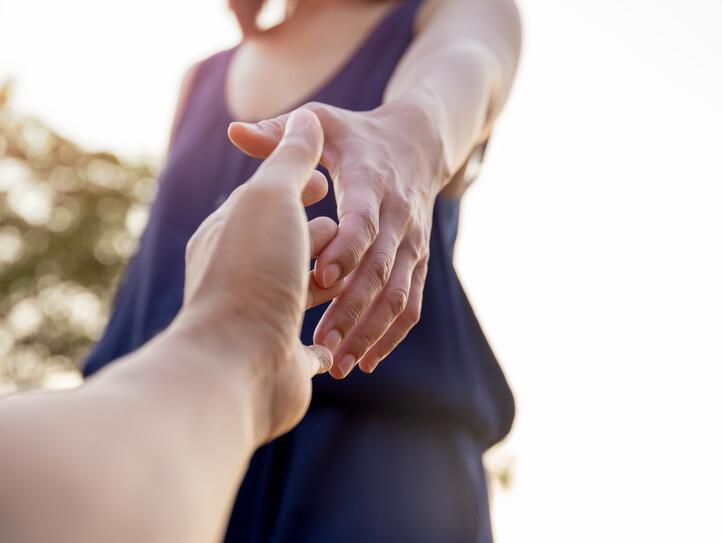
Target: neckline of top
346	65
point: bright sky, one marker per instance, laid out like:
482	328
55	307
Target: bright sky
590	246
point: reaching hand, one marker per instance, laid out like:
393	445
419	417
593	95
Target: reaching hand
387	169
247	271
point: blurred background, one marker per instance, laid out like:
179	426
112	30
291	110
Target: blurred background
590	245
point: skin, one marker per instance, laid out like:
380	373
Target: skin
444	98
230	374
154	447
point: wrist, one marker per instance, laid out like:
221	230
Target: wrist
232	364
417	115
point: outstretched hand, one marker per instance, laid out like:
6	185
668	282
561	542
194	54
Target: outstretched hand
247	271
387	169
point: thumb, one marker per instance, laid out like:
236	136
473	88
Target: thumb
258	139
294	159
315	359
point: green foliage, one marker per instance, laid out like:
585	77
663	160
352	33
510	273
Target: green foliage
69	220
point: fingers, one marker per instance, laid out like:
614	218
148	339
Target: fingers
314	359
315	190
321	230
318	295
292	162
360	291
258	139
401	326
376	321
358	211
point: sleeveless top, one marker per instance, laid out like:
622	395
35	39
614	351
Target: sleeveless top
444	368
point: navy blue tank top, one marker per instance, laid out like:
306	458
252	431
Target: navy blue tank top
444	368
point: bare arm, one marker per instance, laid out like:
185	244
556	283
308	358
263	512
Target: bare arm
151	450
459	70
154	447
389	164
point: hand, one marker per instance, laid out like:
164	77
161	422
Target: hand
387	167
247	273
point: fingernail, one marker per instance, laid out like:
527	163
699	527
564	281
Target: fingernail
372	364
332	340
331	275
347	363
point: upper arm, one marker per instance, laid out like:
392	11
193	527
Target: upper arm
494	23
490	24
491	28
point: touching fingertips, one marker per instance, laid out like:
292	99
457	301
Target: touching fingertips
326	360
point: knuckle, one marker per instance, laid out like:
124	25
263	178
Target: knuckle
349	256
424	259
397	299
378	180
369	222
352	313
352	258
324	112
380	268
364	173
417	252
418	244
404	210
412	315
364	342
418	238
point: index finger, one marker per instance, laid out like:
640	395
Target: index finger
293	161
358	211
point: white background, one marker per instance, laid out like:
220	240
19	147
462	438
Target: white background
590	246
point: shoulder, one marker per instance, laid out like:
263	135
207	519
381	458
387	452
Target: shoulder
198	71
214	64
220	58
183	94
217	61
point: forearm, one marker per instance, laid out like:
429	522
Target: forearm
152	449
458	72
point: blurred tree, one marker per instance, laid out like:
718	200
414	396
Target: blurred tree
69	220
